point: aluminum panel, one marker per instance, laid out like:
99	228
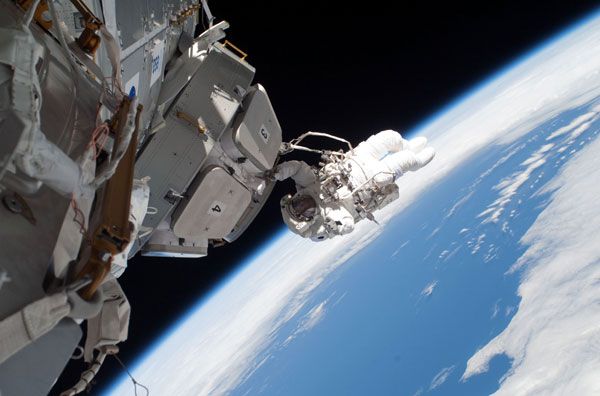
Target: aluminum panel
164	243
131	17
258	134
172	158
176	153
27	267
144	70
251	212
215	93
213	208
41	362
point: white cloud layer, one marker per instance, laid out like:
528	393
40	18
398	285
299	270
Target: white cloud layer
554	338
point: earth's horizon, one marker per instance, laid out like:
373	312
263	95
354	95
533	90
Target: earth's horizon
484	277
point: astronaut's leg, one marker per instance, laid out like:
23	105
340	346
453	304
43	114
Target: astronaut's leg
407	160
381	144
416	144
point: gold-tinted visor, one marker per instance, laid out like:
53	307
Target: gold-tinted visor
303	207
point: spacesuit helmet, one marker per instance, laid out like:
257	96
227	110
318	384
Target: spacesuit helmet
303	207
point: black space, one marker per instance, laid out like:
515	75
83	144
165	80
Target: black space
348	68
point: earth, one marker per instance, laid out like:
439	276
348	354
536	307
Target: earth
484	277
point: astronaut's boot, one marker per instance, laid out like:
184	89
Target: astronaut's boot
425	156
405	161
416	144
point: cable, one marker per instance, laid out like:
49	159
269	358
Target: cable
79	219
320	134
99	138
135	383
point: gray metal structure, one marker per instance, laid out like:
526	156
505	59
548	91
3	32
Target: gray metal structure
207	136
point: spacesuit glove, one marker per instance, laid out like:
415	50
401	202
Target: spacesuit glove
84	309
269	174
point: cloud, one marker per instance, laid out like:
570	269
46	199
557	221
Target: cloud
554	337
495	309
578	122
475	244
441	377
314	316
434	232
309	321
582	128
509	186
458	204
419	392
428	290
339	299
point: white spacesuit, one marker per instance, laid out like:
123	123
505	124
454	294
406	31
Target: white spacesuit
349	186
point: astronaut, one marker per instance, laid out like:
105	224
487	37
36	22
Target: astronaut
349	186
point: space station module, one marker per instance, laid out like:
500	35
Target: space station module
348	187
126	127
125	130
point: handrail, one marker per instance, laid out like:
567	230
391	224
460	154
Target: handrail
243	54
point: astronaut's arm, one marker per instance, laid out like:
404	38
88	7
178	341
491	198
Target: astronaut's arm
299	171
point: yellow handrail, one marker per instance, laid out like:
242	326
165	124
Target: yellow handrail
193	121
239	51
